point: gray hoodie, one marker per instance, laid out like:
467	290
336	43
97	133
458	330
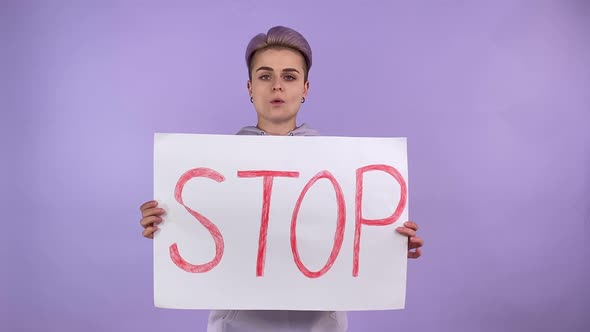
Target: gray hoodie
277	320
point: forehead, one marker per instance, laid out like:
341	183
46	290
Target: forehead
278	59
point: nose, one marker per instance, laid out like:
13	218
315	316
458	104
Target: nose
277	86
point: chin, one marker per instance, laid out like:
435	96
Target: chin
279	117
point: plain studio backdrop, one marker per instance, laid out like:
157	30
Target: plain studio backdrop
494	97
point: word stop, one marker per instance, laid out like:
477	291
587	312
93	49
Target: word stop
267	183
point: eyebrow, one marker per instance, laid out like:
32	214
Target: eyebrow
284	70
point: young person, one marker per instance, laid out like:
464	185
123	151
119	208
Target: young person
278	68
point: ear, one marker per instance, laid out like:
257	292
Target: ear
249	85
305	88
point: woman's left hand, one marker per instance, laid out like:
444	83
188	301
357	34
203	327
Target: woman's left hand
414	242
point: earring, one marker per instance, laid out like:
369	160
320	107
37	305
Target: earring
302	100
252	100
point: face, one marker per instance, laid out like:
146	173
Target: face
277	86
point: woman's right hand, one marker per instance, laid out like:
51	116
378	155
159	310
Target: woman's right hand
150	218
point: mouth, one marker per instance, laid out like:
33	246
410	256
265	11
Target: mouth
277	101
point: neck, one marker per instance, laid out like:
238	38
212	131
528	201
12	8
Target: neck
277	129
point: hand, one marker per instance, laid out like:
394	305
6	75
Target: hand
414	242
151	217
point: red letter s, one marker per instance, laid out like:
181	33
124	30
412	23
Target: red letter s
215	233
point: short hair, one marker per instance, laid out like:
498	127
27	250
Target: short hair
276	38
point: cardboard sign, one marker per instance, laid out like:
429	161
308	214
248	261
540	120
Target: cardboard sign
280	222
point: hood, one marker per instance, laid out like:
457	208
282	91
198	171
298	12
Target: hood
302	130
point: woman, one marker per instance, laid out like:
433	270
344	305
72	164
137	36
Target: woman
278	67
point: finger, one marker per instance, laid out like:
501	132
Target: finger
152	212
149	232
149	204
412	225
148	221
415	254
406	231
415	242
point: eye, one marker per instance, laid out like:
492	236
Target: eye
265	77
290	78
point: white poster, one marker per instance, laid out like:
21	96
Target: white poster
280	222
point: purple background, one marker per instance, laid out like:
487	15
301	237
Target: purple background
494	97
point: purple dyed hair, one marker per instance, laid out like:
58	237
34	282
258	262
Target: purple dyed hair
279	37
